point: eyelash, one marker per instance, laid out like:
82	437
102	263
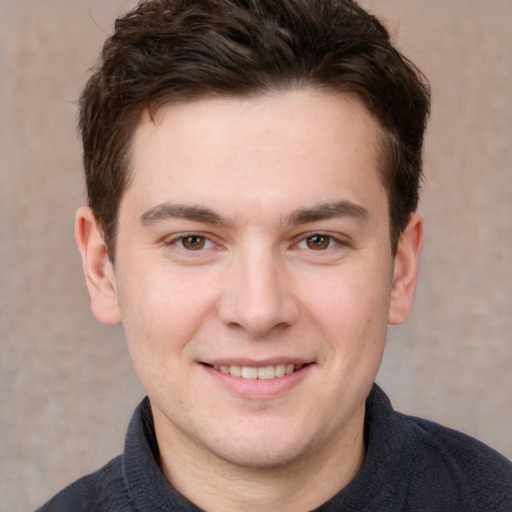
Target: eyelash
179	240
332	241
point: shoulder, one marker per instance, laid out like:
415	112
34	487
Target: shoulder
417	465
444	457
101	491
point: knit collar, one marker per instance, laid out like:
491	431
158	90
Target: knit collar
380	480
147	487
149	490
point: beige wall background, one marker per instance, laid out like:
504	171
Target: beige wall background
66	385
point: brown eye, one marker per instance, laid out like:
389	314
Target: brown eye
193	242
318	242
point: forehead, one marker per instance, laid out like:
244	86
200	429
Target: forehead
288	147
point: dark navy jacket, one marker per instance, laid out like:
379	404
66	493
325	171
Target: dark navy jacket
411	465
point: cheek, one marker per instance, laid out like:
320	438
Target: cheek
162	311
355	299
351	313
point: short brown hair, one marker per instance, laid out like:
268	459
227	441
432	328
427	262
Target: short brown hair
168	51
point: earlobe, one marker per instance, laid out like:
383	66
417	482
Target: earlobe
405	273
98	269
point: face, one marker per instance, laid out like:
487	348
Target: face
254	275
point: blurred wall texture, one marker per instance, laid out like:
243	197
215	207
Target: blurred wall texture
66	385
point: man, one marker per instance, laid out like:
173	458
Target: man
252	170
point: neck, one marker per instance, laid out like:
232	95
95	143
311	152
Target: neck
300	485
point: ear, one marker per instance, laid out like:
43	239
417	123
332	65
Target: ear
405	273
98	269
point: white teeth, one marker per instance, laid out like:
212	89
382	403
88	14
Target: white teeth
249	372
262	372
235	370
266	372
280	370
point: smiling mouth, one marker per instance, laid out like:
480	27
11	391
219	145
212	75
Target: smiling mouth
257	372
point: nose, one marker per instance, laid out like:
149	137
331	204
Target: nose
257	295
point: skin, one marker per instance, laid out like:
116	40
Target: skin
289	262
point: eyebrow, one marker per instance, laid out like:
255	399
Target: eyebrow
328	211
167	211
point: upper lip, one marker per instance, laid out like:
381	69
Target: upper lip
241	361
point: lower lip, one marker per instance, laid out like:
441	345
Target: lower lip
259	388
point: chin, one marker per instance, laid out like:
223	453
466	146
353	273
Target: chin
263	451
256	458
